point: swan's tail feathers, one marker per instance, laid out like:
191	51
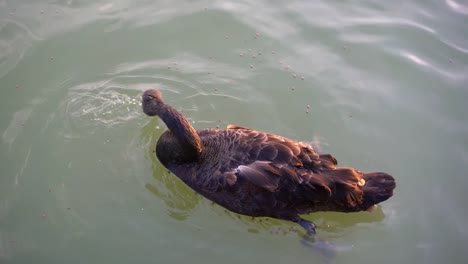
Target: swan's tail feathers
377	188
345	189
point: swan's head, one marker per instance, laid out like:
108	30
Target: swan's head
152	102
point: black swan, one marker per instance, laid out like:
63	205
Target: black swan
260	174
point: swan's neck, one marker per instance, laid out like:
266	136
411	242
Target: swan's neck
182	130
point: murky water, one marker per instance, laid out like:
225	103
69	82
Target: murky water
383	86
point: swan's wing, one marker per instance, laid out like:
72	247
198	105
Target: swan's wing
273	162
259	165
246	146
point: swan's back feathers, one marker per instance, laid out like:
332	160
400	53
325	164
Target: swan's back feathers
255	146
292	171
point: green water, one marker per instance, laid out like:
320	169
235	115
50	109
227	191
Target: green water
386	83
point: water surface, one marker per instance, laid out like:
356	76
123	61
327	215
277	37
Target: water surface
380	85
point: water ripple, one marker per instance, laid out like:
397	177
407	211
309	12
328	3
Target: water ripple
378	21
90	108
449	75
16	39
269	21
23	166
459	8
16	125
189	64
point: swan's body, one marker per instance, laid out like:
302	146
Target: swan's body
260	174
